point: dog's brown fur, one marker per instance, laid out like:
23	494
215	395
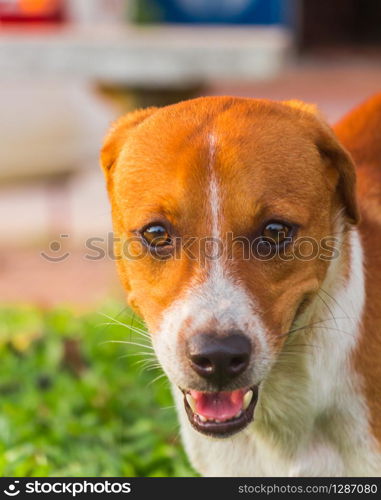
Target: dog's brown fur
360	132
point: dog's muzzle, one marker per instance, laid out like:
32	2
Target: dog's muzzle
220	359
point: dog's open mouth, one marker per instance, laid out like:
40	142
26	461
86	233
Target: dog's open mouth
220	414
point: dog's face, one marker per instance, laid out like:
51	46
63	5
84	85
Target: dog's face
213	201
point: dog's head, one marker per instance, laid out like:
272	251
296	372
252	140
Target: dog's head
217	203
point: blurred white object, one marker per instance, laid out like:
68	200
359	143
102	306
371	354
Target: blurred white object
49	131
49	127
152	57
90	12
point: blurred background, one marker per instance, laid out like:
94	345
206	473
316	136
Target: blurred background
71	403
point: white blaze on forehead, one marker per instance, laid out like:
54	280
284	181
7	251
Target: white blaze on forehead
216	300
215	202
214	262
214	194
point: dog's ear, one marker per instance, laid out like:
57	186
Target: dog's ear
337	157
341	168
117	135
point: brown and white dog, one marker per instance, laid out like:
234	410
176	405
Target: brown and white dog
273	346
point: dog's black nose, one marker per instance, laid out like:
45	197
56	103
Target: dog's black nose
219	358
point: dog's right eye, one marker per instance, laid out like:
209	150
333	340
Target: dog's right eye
276	232
156	236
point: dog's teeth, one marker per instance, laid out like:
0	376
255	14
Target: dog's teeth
247	399
202	418
191	402
239	414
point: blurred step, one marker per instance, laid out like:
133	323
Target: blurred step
153	56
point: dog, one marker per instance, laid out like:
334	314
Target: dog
272	350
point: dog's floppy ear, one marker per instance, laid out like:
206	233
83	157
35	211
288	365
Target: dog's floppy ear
117	135
337	158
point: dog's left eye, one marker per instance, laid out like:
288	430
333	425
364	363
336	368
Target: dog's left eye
156	236
276	233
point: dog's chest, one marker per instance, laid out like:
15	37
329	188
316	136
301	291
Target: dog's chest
250	455
238	456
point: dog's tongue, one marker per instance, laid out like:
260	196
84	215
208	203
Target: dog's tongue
218	405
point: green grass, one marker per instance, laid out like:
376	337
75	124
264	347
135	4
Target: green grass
74	404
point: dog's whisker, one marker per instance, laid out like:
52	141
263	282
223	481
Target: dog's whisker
129	327
156	379
142	333
330	328
140	361
293	351
289	356
173	407
313	326
115	321
141	353
148	362
309	325
338	305
328	307
127	342
132	328
154	367
302	346
148	357
145	369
